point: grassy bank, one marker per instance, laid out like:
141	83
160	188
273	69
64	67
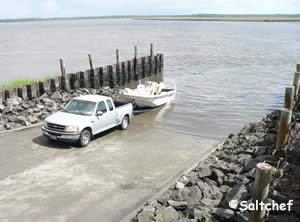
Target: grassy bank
224	18
16	84
23	82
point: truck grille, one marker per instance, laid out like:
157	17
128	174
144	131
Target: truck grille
56	127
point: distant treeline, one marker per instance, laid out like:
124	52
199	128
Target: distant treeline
274	17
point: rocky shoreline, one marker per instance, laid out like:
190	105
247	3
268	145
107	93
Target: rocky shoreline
228	174
17	113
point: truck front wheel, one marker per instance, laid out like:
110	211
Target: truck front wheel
124	123
85	138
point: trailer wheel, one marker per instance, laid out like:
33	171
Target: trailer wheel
85	138
124	123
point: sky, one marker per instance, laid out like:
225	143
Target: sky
69	8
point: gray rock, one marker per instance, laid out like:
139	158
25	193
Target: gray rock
56	96
167	214
25	105
270	139
229	180
261	150
84	90
224	189
244	158
145	216
238	193
252	163
12	118
195	193
8	109
8	126
32	119
21	120
1	107
178	205
217	176
283	218
40	106
241	179
13	101
36	110
242	217
193	178
278	197
259	134
204	172
223	214
18	108
250	174
209	189
179	195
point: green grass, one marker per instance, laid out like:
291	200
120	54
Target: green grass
16	84
23	82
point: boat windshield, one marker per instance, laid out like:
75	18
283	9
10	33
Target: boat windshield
80	107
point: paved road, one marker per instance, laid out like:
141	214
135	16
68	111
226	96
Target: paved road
43	181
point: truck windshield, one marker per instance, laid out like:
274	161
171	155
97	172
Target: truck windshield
80	107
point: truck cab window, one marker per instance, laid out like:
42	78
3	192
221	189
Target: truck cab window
110	105
102	107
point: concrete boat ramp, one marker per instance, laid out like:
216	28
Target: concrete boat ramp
43	181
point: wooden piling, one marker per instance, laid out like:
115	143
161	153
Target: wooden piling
111	77
52	85
73	81
62	67
156	64
151	50
129	71
22	92
91	61
135	74
289	98
41	88
143	67
100	76
282	134
80	77
261	190
61	82
124	75
117	68
117	57
296	83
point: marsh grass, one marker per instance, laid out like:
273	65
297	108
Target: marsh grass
23	82
16	84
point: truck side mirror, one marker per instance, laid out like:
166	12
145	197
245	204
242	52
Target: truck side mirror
99	113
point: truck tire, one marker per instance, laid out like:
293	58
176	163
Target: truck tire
85	138
124	123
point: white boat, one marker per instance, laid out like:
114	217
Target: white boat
150	94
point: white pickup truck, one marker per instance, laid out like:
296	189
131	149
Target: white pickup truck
85	116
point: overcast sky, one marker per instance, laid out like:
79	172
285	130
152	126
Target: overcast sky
66	8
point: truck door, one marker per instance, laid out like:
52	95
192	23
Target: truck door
102	122
111	114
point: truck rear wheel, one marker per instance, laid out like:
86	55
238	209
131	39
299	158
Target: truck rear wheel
85	138
124	123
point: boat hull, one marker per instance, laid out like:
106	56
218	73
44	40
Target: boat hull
151	101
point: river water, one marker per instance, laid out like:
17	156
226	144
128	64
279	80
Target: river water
227	73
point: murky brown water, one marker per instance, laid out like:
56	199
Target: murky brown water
227	74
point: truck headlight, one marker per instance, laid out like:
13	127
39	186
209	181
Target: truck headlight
72	129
